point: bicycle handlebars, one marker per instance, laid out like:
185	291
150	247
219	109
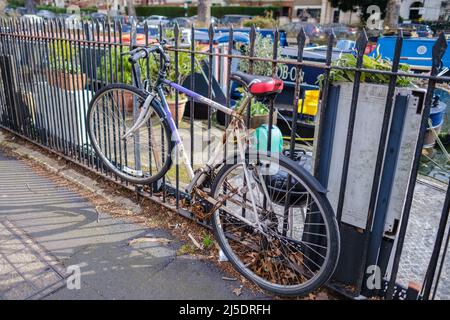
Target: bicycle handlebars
144	52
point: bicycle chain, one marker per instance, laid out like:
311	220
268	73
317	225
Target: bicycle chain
197	208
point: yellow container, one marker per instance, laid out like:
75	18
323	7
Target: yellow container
311	103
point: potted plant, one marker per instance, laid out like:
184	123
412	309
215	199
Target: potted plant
263	49
368	123
184	70
65	71
259	113
123	74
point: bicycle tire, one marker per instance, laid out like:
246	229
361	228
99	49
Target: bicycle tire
329	219
162	118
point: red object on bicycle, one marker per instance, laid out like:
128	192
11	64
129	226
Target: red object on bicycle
272	86
259	85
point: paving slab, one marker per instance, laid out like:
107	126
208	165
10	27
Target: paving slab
46	229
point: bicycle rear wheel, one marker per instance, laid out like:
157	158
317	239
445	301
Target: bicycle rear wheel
295	249
144	156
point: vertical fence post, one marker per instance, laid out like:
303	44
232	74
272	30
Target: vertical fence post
301	42
381	148
439	49
323	108
276	40
210	74
431	270
176	32
228	83
360	47
191	111
445	210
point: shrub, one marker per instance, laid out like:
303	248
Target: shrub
90	9
168	11
263	49
16	3
262	22
56	10
216	11
349	61
219	12
61	56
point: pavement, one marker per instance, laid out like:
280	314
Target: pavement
46	229
48	234
420	237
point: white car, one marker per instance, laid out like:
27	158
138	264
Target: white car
73	22
156	20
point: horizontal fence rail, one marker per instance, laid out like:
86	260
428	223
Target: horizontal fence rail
51	70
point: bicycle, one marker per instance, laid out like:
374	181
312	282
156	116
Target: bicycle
270	217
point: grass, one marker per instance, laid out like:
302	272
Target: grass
207	241
186	248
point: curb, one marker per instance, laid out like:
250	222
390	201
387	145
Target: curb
52	166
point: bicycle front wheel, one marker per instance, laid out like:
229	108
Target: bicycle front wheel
286	239
144	156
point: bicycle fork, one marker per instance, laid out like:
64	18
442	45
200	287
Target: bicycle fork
144	116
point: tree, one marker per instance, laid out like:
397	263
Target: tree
131	8
392	14
30	5
204	11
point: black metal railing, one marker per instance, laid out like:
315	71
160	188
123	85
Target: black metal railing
51	70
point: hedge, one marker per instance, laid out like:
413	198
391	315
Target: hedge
216	11
58	10
16	3
21	3
54	9
219	12
437	26
168	11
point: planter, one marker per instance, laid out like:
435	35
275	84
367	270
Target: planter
181	107
128	101
366	138
259	120
67	81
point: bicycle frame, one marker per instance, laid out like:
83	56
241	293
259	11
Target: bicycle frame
237	124
210	103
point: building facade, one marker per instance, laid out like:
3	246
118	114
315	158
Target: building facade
427	10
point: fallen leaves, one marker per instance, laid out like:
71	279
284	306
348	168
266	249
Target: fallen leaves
237	291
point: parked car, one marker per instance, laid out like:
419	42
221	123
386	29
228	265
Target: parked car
156	20
46	14
183	22
340	30
73	22
234	19
417	29
98	16
9	11
213	20
313	31
21	10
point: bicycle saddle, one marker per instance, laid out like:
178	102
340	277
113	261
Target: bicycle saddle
258	85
